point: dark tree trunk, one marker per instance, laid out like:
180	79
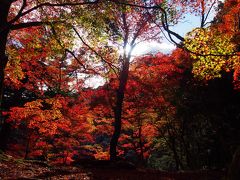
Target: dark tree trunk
27	149
140	140
4	30
175	155
118	109
187	152
234	169
173	144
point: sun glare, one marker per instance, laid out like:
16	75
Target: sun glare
140	49
152	48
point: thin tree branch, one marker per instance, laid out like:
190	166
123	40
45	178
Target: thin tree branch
205	23
32	24
166	28
135	36
24	4
126	30
69	51
95	52
53	5
135	5
202	14
164	18
79	62
166	36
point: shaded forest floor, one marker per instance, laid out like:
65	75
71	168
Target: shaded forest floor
11	168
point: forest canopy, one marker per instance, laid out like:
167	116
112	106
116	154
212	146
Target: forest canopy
175	111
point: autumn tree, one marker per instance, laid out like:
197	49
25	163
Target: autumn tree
17	15
159	79
134	26
215	57
215	48
56	129
128	24
56	87
227	24
107	32
124	25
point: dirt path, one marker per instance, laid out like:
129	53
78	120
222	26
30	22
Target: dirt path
11	168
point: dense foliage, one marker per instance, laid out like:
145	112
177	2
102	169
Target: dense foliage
165	111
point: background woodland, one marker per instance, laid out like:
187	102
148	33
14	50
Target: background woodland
176	111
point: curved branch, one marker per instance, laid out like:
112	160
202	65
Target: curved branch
21	13
79	62
95	52
210	9
27	25
135	5
24	4
164	19
166	27
69	51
